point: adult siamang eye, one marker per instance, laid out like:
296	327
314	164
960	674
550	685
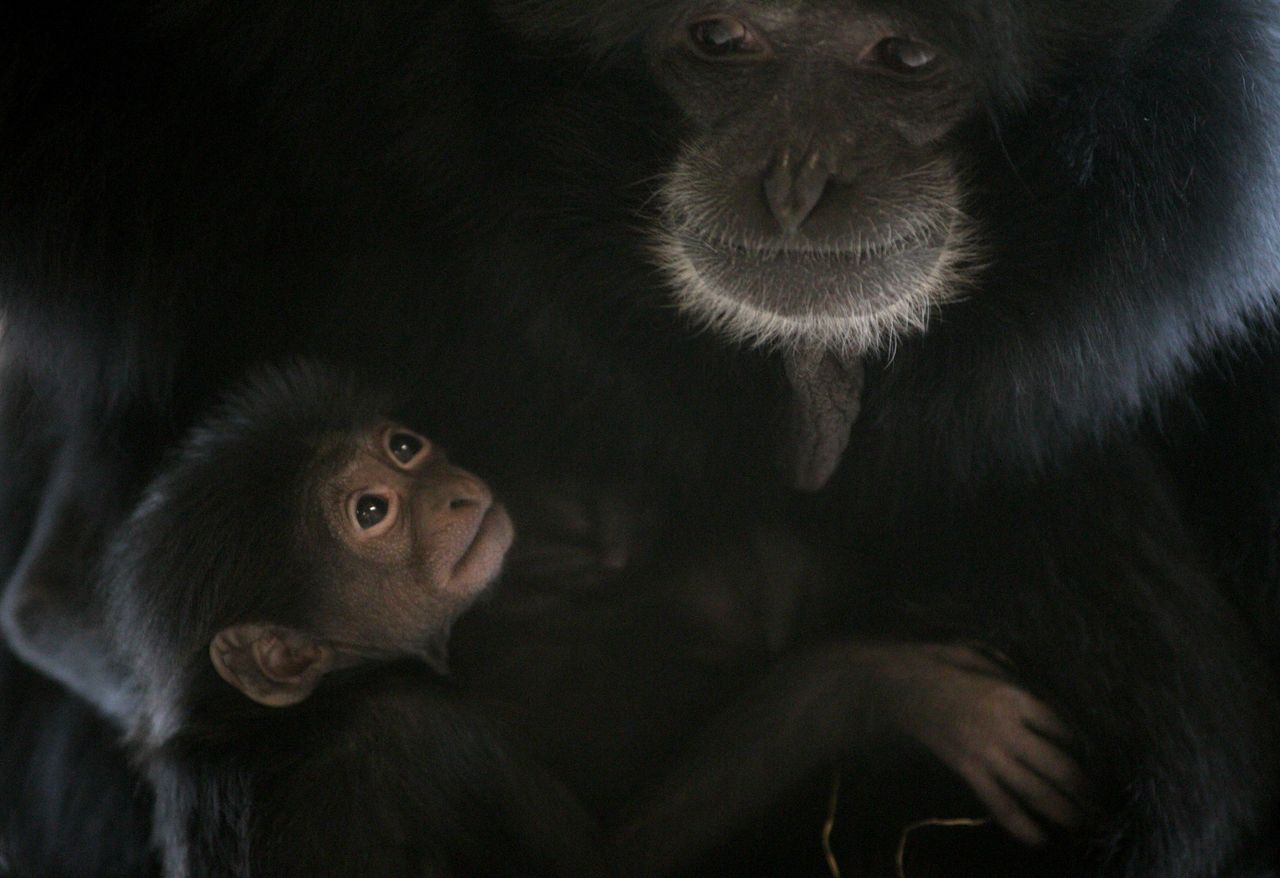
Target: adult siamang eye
370	510
723	36
902	55
404	446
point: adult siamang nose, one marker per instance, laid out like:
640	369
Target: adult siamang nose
793	186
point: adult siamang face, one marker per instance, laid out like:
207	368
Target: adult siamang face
816	199
819	196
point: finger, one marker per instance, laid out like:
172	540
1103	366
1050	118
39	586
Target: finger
1038	794
1005	809
1045	758
1037	716
1001	661
967	658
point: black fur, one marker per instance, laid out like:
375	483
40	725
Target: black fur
71	804
610	688
380	772
451	207
383	770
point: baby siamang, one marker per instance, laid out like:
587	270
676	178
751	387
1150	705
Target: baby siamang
303	552
280	604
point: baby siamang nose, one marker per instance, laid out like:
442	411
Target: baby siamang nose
794	185
461	494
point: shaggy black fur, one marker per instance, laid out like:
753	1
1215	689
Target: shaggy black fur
448	199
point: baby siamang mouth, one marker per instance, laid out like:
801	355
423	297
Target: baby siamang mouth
483	557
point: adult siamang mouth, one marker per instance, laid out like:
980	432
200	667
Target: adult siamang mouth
852	299
856	282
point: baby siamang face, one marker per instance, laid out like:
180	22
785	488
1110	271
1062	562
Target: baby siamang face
417	538
406	542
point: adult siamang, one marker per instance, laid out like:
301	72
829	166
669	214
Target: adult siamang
939	264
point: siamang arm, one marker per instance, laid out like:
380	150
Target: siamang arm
49	613
839	701
464	799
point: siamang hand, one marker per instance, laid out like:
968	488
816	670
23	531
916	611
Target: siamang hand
1007	745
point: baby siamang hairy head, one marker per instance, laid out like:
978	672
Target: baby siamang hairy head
296	532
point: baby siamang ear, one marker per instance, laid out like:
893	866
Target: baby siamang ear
275	666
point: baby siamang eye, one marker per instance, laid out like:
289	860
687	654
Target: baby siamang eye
723	36
370	510
404	446
902	55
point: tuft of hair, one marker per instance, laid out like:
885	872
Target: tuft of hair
854	333
217	536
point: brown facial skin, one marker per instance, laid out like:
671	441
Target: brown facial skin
413	540
418	539
816	201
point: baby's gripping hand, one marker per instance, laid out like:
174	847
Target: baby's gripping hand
1006	744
